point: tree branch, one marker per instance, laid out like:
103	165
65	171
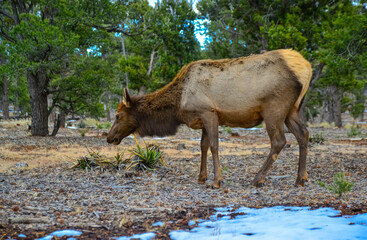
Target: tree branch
15	12
151	61
7	14
5	36
317	74
118	30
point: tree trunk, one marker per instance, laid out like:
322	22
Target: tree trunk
5	99
124	53
37	87
58	123
333	106
151	62
16	103
62	119
363	100
108	112
316	75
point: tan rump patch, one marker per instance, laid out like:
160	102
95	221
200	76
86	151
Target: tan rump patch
301	68
275	156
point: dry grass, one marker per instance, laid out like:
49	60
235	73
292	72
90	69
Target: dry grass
36	156
13	124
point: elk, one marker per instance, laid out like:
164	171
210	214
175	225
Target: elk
240	92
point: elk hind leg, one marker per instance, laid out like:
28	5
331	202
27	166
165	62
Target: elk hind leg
299	130
204	144
277	138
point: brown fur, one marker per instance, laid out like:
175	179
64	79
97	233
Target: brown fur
240	92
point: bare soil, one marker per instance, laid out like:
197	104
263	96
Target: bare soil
40	193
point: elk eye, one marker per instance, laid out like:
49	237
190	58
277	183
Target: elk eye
117	116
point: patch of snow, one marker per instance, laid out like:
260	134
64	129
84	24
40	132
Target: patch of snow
158	224
278	223
199	139
246	129
143	236
62	233
192	222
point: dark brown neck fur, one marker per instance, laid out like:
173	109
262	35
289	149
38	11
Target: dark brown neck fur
157	113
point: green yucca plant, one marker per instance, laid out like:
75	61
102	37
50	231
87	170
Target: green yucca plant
96	159
142	158
340	185
145	158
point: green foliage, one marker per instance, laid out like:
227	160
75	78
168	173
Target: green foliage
82	124
340	185
136	70
154	57
106	125
227	129
317	139
83	131
145	158
354	131
224	169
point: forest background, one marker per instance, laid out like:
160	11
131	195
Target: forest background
74	57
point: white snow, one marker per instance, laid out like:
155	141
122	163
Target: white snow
143	236
158	224
283	223
62	233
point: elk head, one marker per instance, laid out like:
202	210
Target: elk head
125	122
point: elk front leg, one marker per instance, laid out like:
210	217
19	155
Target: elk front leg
210	121
203	175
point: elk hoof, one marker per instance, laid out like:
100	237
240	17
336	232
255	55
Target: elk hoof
216	185
258	183
202	180
301	182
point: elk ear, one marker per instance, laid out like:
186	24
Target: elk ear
126	98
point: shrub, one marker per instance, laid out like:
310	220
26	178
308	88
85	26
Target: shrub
317	139
340	185
82	124
354	131
227	129
91	122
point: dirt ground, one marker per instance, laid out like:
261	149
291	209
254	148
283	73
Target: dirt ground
41	194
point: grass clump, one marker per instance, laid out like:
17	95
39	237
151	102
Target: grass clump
83	131
317	139
340	185
354	131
